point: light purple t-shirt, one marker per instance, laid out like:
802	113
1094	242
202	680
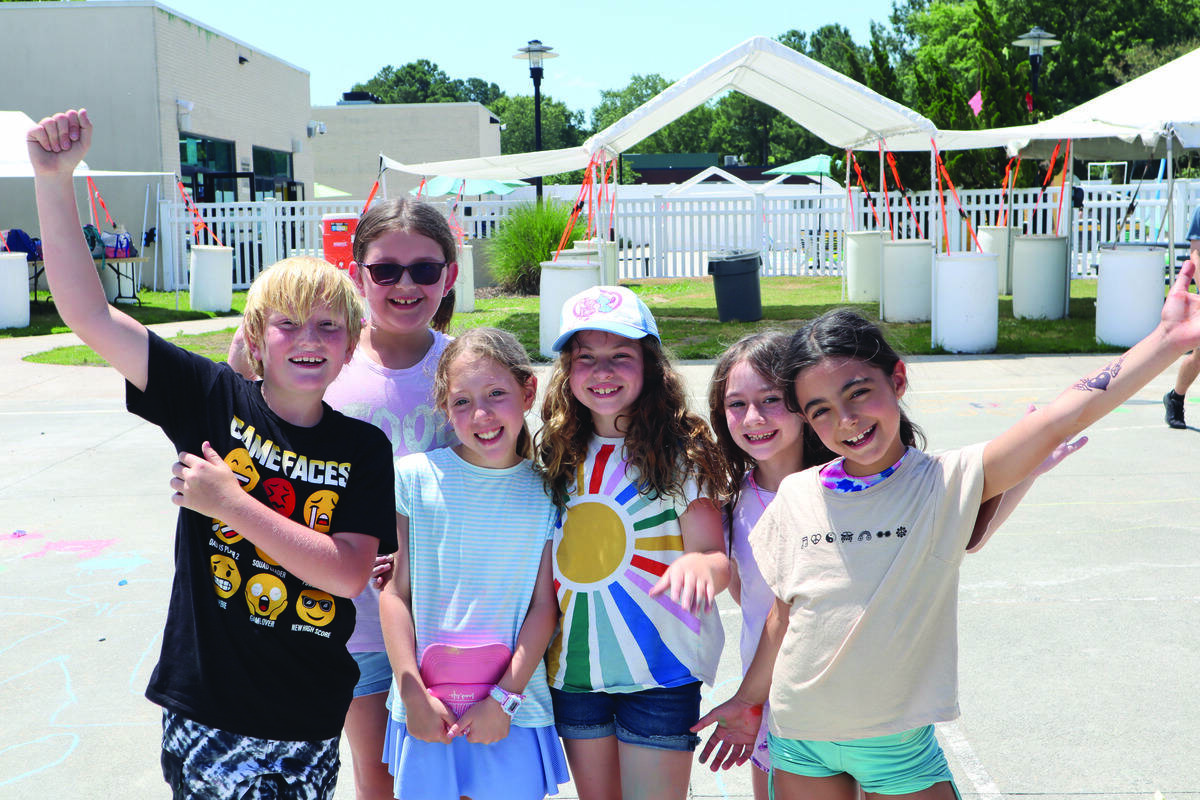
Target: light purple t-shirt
399	402
756	597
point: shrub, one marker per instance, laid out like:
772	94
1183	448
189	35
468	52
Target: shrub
525	238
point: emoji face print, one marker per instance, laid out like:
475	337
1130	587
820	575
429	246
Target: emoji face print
243	467
315	607
318	510
225	575
225	533
280	495
266	595
265	556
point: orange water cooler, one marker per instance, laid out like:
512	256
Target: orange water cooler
337	237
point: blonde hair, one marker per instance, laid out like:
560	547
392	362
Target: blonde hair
665	442
295	286
494	344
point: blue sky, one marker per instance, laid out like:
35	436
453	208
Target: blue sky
601	44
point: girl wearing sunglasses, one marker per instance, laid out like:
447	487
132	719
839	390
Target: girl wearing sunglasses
404	265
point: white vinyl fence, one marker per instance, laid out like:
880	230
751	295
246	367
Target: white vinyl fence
672	236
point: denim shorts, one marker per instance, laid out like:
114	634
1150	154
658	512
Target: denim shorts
374	673
658	718
900	763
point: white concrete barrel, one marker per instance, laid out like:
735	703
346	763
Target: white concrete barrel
1039	277
14	290
998	239
609	267
864	257
906	281
110	280
1129	294
210	278
966	311
560	280
464	287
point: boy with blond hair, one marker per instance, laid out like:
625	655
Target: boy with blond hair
284	504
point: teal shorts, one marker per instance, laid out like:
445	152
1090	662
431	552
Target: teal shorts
900	763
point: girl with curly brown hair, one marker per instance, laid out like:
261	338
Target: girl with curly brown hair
639	551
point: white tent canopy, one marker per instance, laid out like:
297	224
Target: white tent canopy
1133	121
14	155
841	111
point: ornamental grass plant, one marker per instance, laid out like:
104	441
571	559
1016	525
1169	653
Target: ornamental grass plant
524	239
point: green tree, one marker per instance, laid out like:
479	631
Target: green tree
691	133
758	133
480	91
419	81
561	127
423	81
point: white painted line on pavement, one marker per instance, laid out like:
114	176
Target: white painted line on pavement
64	412
956	742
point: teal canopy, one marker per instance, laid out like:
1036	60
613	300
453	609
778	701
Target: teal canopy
813	165
442	185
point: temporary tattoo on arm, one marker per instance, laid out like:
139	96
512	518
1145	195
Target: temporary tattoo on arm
1102	378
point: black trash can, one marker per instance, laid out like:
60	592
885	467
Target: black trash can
735	281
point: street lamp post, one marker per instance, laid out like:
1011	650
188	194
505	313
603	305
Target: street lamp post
1037	40
535	52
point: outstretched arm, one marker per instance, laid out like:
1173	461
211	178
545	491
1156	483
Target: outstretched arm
739	718
994	512
56	146
1013	455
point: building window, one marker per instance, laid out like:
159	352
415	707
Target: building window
273	174
208	167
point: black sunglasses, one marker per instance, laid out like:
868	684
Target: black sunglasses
387	273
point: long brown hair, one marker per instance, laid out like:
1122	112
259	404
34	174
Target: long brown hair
665	443
410	216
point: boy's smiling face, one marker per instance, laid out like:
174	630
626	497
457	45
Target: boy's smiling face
300	358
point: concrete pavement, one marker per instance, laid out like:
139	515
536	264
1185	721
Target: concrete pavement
1079	622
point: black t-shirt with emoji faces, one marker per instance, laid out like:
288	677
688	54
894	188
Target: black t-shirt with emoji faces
248	647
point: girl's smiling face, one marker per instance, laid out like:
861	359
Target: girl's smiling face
606	375
487	406
855	410
758	419
404	307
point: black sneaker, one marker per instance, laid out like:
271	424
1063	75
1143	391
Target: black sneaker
1174	405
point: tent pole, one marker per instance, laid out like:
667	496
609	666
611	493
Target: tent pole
1171	204
1068	186
847	223
883	193
934	215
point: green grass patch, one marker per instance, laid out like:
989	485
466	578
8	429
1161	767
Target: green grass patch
686	312
155	307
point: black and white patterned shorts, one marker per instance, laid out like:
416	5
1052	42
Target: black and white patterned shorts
199	762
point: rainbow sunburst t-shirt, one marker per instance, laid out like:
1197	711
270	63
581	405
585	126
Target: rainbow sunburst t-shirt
611	545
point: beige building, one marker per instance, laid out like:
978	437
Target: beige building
170	94
347	154
167	93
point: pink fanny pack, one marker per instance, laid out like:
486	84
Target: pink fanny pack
462	676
